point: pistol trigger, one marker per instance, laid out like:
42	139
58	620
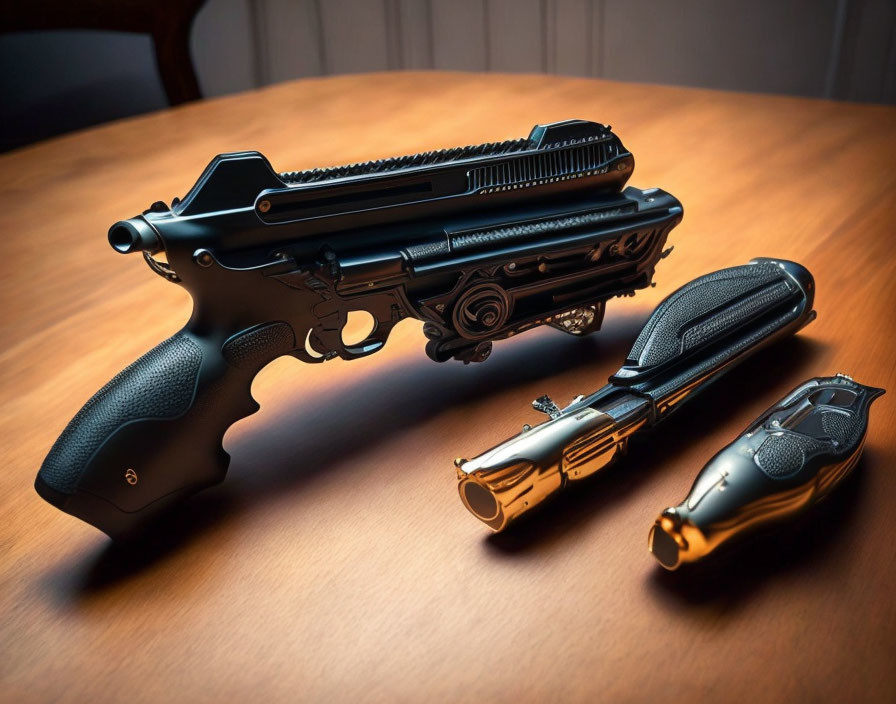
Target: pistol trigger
545	404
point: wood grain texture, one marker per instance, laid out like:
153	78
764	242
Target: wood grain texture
336	562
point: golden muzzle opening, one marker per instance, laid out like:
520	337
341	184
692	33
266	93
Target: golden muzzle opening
500	485
498	496
479	500
674	539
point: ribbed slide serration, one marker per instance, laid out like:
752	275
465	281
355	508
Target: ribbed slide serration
535	168
429	249
441	156
484	237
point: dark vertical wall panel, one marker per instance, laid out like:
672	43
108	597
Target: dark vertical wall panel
355	36
289	39
394	37
223	48
843	49
867	52
889	95
459	35
415	31
516	37
778	47
598	43
568	25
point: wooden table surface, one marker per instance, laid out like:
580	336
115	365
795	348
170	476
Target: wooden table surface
336	562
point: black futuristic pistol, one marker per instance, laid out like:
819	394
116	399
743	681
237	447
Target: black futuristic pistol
479	243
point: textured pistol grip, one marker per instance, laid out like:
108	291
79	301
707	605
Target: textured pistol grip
713	318
153	434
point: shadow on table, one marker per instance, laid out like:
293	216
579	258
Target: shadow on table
115	562
400	398
729	575
407	396
789	359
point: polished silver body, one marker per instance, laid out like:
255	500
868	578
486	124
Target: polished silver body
789	458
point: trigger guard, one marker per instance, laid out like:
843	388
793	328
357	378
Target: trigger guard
372	344
375	342
369	346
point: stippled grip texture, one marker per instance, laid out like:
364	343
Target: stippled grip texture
822	422
708	307
153	434
161	384
711	324
253	348
784	455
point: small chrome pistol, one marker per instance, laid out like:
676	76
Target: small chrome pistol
789	458
695	335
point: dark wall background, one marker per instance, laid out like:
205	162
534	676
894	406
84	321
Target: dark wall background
842	49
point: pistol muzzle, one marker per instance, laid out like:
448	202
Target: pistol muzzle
674	539
500	485
498	496
134	235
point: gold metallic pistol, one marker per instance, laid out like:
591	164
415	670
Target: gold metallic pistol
788	459
695	335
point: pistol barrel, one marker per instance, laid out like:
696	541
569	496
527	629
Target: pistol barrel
500	485
134	235
698	333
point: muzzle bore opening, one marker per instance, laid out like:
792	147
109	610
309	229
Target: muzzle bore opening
480	501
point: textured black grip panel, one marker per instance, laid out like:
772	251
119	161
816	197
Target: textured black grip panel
734	315
707	306
813	426
705	366
160	384
841	427
257	346
781	456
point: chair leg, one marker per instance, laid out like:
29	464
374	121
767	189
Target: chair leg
172	49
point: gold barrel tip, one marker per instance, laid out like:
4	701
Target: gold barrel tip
666	541
664	547
481	502
460	462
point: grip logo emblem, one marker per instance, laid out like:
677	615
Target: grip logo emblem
130	476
